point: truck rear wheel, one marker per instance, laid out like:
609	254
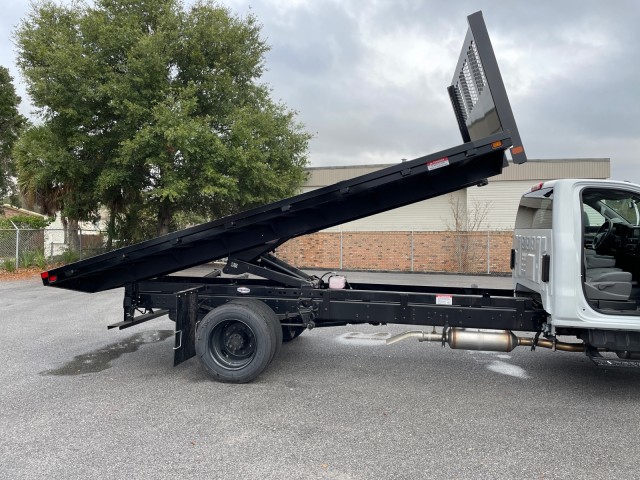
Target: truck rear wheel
235	342
270	315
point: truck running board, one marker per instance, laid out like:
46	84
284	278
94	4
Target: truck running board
606	362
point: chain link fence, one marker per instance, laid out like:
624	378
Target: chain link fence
20	247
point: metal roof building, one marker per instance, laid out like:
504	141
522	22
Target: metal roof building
493	206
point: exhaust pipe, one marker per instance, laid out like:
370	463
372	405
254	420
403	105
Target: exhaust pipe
486	340
421	336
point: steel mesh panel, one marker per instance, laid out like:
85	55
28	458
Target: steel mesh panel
7	245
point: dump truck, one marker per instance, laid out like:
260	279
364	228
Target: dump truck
575	258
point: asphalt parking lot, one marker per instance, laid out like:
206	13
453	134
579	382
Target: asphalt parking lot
78	401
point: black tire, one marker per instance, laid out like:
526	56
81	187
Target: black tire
235	342
270	316
291	333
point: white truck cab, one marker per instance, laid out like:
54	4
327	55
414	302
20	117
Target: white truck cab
576	247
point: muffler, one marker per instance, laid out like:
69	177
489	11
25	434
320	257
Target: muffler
486	340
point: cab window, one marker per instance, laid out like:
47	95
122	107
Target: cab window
535	210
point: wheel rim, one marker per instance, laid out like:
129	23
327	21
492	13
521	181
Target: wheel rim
232	344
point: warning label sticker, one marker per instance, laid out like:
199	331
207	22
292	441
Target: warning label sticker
441	162
444	299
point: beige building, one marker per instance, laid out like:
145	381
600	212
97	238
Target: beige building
494	204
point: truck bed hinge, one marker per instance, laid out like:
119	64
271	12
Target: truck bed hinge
271	268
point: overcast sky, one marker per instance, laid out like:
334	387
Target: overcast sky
369	78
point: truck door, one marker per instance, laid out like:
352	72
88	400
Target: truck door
611	234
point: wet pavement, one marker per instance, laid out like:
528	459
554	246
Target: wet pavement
336	403
101	359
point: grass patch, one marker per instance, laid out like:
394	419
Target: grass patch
9	265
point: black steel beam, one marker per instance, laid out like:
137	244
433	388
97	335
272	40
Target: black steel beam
138	320
454	307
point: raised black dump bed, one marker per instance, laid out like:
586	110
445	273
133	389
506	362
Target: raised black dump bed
223	319
248	235
486	123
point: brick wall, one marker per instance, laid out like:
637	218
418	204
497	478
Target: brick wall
449	252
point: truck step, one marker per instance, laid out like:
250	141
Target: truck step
607	362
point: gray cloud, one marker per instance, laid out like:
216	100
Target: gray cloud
369	78
569	69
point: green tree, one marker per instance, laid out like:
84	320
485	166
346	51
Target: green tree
10	124
156	112
24	221
52	180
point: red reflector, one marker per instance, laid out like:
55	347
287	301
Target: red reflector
44	275
52	278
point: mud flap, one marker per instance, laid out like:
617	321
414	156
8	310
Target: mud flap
186	318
